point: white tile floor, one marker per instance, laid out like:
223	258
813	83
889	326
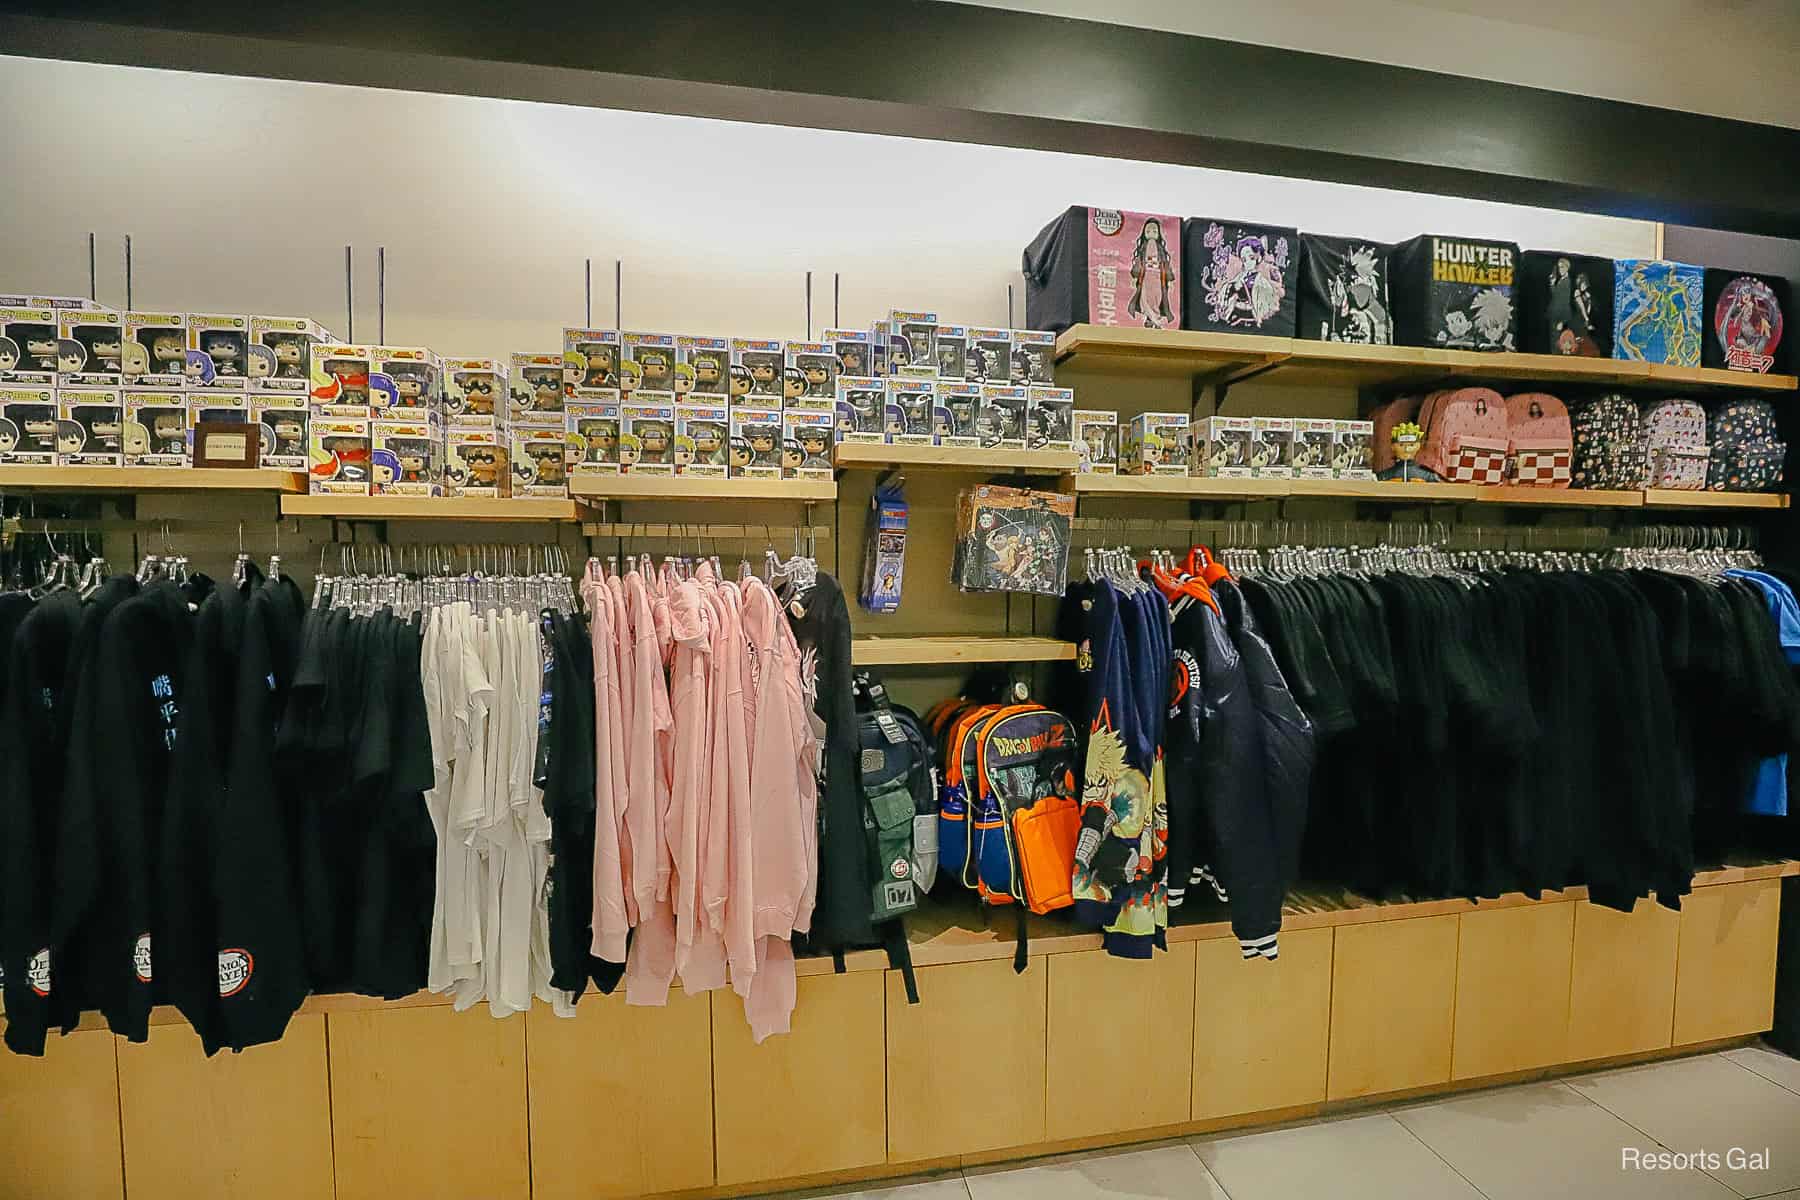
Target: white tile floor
1538	1141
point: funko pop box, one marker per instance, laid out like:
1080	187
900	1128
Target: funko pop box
1272	447
160	341
418	378
89	422
156	431
1049	418
861	409
817	364
404	457
755	447
1004	411
93	340
340	380
1096	435
476	462
339	454
1157	444
806	443
288	342
224	339
762	362
709	358
647	433
536	388
592	356
475	391
283	420
28	425
910	340
1224	443
988	358
28	347
703	438
591	431
855	353
539	460
908	414
957	422
653	356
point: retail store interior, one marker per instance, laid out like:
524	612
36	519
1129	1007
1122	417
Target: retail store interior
955	601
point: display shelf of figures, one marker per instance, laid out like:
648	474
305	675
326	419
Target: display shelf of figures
1180	487
431	508
852	456
690	487
1230	358
148	479
923	651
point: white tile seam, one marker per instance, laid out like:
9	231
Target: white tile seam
1414	1134
1770	1078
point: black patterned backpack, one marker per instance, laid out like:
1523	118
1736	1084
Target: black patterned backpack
1610	451
1746	455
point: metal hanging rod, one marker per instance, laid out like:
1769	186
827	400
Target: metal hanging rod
723	533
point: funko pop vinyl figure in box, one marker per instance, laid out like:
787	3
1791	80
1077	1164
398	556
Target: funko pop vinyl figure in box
763	361
225	340
710	359
860	409
290	340
28	420
27	346
475	386
90	348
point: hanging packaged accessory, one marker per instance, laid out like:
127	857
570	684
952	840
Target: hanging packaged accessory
884	551
1012	540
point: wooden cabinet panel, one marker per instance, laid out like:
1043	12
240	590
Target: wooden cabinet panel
1512	989
250	1124
1261	1029
1725	968
428	1102
621	1097
1104	1012
1393	990
965	1066
1622	991
809	1101
59	1121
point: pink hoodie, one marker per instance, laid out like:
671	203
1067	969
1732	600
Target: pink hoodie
614	913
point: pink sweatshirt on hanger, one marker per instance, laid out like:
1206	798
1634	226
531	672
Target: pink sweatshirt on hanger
614	913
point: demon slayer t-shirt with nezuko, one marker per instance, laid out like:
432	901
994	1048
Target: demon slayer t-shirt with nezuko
1105	267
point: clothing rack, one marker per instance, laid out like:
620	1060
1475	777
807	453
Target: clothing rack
1255	535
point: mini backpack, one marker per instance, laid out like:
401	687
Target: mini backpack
1609	444
1746	457
1675	441
1465	435
900	784
1540	447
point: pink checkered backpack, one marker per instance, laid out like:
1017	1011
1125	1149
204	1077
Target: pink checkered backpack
1465	435
1540	446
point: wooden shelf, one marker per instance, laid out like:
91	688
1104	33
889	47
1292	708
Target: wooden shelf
687	487
1226	357
1686	499
855	456
1170	487
430	508
906	651
149	479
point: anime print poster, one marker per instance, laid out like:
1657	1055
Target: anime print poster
1134	269
1241	278
1657	308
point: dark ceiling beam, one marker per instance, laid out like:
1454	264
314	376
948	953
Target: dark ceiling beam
925	69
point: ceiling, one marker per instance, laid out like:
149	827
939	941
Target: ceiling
1724	58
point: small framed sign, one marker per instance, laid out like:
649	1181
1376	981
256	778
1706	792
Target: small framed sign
227	444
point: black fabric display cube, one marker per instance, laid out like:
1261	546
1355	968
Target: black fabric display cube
1103	266
1744	321
1454	293
1565	304
1344	291
1239	278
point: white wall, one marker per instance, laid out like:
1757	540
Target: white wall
240	195
1726	58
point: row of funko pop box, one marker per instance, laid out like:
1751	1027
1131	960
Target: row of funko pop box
1227	447
759	371
108	427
